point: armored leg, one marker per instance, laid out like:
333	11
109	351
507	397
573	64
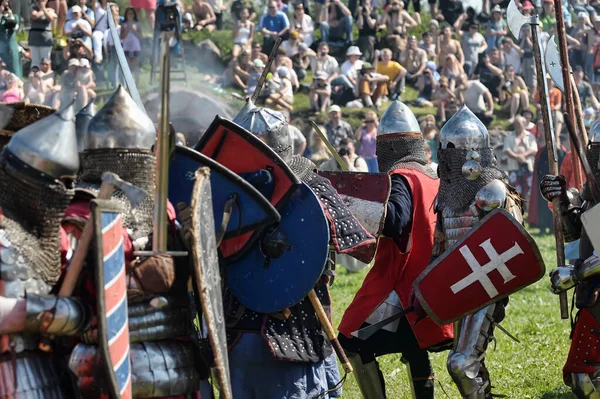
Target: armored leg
583	386
368	377
465	362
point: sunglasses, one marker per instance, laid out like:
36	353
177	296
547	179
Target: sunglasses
370	121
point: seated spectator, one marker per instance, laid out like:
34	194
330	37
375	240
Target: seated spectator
478	98
473	44
243	33
366	135
520	148
319	92
257	52
283	97
79	28
255	72
495	29
351	66
77	48
337	129
290	46
427	84
428	45
396	20
324	62
282	60
86	13
68	89
513	93
452	70
35	91
40	35
13	92
430	162
414	60
430	134
86	82
367	22
301	61
317	150
273	24
489	70
548	15
449	46
530	125
298	139
238	5
441	98
130	35
394	71
372	86
304	25
336	26
204	15
238	71
512	54
347	152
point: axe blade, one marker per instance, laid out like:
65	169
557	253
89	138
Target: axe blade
134	194
553	65
516	20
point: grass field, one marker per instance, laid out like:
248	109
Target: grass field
531	369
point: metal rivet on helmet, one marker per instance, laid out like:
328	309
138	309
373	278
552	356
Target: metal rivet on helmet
471	170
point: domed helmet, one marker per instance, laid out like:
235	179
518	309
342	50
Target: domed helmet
466	160
400	141
37	168
119	139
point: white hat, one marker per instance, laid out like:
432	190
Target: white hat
258	63
334	108
74	62
353	50
75	9
84	62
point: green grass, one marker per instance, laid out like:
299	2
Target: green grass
531	369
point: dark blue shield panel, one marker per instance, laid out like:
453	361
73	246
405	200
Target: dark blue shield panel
287	261
250	213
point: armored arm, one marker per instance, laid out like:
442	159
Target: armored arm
564	278
51	315
571	204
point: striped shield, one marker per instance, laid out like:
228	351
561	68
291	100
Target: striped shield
111	293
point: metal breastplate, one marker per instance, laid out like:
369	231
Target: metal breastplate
390	306
457	223
34	376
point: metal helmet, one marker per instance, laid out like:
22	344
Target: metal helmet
398	119
82	120
120	124
49	145
271	127
244	111
464	130
594	134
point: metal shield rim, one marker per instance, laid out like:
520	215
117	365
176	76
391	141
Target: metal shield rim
266	206
97	207
446	253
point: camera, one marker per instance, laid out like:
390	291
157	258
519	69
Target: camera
343	151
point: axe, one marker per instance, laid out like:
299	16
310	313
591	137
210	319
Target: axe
110	181
516	20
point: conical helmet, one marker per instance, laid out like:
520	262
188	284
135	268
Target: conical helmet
120	124
49	145
82	120
464	130
271	127
397	120
244	111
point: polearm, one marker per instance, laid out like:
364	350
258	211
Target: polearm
566	70
516	20
263	76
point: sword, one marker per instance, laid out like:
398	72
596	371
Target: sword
516	20
366	332
332	150
122	60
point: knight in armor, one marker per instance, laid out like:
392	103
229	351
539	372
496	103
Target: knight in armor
291	350
37	169
467	165
165	362
387	287
582	369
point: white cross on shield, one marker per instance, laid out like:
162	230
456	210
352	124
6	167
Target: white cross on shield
480	273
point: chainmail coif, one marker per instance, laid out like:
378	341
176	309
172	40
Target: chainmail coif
593	157
408	152
32	209
134	166
456	191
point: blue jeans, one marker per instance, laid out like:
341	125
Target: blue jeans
342	32
342	80
372	165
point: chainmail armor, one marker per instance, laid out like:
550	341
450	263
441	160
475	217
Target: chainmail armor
456	191
134	166
593	156
32	209
405	152
302	167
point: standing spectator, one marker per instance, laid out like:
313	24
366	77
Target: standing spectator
337	129
372	86
304	25
580	33
527	61
337	23
149	6
13	92
473	44
489	70
273	24
495	29
243	33
366	135
479	99
393	71
40	35
130	39
513	93
512	54
427	84
79	28
347	152
414	60
204	15
101	26
319	92
9	49
586	92
324	62
366	21
449	46
520	148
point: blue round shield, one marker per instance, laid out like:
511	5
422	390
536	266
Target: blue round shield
269	285
251	211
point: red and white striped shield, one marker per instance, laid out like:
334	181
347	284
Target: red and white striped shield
111	292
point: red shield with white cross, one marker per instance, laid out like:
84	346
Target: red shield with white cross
496	258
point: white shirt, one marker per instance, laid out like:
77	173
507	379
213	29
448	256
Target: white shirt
329	65
474	96
350	70
513	58
72	25
308	27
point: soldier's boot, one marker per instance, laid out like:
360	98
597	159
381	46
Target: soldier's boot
583	386
421	379
423	388
368	377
